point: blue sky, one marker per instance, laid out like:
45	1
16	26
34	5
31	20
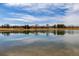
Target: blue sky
39	13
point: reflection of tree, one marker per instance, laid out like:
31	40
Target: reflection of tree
6	33
26	32
55	32
36	33
47	33
70	32
59	32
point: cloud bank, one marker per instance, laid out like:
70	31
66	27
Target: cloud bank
40	13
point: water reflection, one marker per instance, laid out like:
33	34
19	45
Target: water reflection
55	42
5	33
58	32
55	32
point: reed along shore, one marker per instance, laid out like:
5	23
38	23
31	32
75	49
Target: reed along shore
9	28
35	29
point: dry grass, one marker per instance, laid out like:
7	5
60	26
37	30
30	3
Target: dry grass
38	29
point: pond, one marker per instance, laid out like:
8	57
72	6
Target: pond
50	43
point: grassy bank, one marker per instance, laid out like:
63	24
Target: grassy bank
36	29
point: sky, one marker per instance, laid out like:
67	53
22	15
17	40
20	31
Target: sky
39	13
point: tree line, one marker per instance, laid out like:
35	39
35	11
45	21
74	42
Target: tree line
36	26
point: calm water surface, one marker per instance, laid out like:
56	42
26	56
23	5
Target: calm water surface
55	42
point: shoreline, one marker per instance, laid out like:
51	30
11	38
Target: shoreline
35	29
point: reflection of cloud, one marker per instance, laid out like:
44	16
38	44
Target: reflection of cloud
30	40
71	39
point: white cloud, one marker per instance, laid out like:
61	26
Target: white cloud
18	4
71	17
